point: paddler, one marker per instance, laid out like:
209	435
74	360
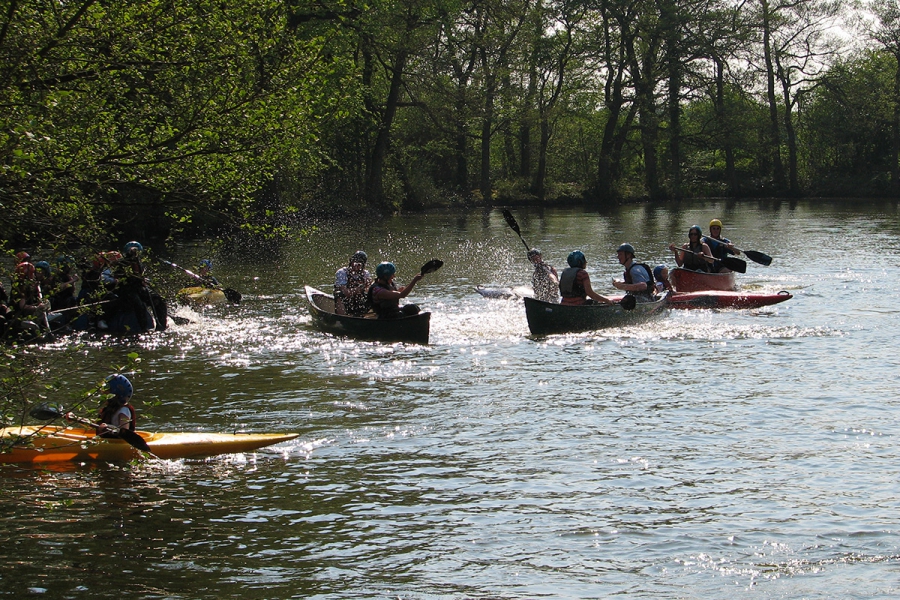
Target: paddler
692	259
384	295
719	246
351	283
118	411
638	277
575	283
544	279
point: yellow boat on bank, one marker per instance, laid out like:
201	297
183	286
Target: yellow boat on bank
52	444
199	296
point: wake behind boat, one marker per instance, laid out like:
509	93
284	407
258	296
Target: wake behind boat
545	318
413	329
49	444
505	293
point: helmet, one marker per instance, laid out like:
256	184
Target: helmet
133	246
715	223
22	256
119	386
205	264
385	269
697	227
359	257
44	266
534	252
25	270
576	259
657	272
65	262
626	248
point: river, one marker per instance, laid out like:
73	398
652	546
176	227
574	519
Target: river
710	454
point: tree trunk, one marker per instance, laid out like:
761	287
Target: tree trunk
774	133
375	172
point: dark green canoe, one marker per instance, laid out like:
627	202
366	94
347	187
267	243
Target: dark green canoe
414	329
545	318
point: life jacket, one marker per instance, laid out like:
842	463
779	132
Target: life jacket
109	411
651	287
569	286
383	308
694	262
717	247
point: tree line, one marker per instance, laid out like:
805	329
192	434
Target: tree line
251	114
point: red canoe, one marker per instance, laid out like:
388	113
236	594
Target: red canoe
685	280
725	299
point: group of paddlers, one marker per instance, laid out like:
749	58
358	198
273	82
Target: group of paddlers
113	295
573	286
356	293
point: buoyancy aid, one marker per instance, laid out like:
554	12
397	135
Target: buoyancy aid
108	412
383	308
694	262
651	287
568	284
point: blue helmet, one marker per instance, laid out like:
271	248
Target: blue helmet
657	272
133	246
576	259
385	269
626	248
119	385
44	266
65	262
697	228
205	263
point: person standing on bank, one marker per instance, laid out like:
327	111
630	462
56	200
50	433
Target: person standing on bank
719	246
575	283
544	279
638	277
384	295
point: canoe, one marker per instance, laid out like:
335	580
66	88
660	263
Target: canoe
414	329
505	293
721	299
685	280
48	444
545	318
200	296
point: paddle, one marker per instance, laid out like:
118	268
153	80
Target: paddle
757	257
80	306
45	412
231	295
431	266
729	262
511	221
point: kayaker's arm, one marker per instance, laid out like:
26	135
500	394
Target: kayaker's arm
592	294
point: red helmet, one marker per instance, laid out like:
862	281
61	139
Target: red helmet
22	256
25	270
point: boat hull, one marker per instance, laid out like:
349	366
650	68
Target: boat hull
545	318
414	329
200	296
722	299
685	280
49	444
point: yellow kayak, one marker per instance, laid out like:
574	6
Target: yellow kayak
201	295
49	444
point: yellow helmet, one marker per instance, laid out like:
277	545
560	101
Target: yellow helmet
715	223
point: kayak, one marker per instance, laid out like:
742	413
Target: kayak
685	280
199	295
722	299
48	443
505	293
414	329
545	318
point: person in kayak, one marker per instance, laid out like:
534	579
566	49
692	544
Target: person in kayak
575	283
638	277
694	247
204	271
544	279
719	246
118	412
384	295
661	275
350	286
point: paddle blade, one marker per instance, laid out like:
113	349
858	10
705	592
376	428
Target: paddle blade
511	221
628	302
431	266
758	257
134	440
735	264
232	296
45	412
